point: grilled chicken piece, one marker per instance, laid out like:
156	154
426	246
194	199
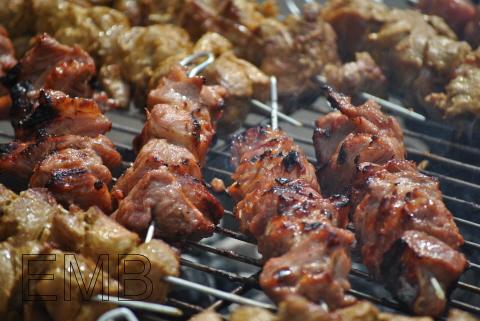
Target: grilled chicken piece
317	268
157	153
51	65
407	235
263	155
162	260
280	217
55	114
70	308
357	134
182	112
7	61
208	316
181	206
246	313
361	75
20	158
147	12
75	177
27	216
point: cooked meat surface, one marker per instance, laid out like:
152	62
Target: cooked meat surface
418	53
51	65
53	113
20	158
361	75
296	228
355	134
75	177
180	206
262	155
457	13
183	111
157	153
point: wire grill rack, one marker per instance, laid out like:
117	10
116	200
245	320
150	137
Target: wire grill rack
229	261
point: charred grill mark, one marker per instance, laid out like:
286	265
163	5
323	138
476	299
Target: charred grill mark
323	132
98	185
43	114
196	126
282	180
59	176
342	155
291	161
308	227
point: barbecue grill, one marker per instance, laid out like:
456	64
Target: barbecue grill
228	260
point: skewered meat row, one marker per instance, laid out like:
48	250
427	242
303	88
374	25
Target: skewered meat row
420	54
32	223
407	236
298	309
300	234
165	184
461	15
60	142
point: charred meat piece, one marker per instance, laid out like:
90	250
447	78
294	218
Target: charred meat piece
75	177
20	158
54	113
7	61
280	205
157	153
183	111
262	155
51	65
181	206
356	134
317	268
407	236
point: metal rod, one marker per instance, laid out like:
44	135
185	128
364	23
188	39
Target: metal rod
218	293
141	305
281	115
210	58
118	313
274	101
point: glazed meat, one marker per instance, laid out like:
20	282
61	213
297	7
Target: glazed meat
75	177
407	235
418	53
20	158
344	139
181	206
157	153
183	112
262	155
7	61
53	113
51	65
300	234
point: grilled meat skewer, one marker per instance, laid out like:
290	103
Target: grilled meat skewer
407	236
300	234
7	61
165	183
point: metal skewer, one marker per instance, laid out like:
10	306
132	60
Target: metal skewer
274	101
118	313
